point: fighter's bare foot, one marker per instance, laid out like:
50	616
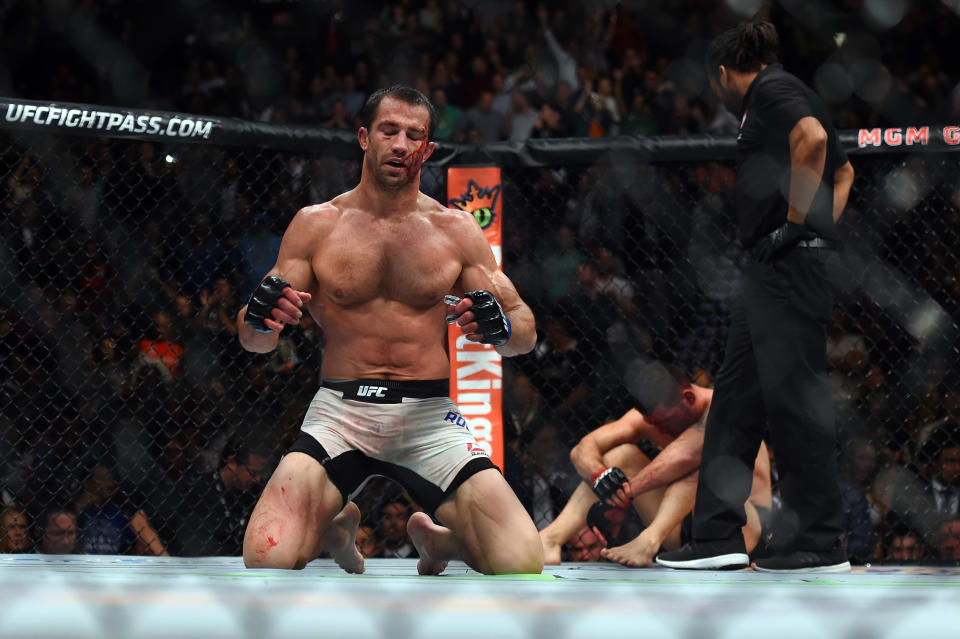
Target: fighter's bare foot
552	551
341	539
636	553
425	535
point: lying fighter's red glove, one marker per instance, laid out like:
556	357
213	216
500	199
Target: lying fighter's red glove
607	481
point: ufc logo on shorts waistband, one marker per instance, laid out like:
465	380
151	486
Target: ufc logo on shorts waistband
371	391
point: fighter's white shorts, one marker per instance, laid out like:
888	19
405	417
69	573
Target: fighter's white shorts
409	431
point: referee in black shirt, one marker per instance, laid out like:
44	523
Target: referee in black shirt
793	179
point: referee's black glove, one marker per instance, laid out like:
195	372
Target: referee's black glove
781	240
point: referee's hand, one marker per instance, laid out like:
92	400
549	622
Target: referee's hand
781	240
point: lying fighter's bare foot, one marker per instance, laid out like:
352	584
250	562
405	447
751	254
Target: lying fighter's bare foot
637	553
340	539
551	549
427	536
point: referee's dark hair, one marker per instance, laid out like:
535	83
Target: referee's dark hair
746	47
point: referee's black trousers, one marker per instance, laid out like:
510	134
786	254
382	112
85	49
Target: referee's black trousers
773	381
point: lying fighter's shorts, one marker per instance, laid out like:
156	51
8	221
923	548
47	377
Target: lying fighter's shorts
411	432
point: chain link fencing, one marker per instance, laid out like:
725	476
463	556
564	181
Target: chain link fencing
127	400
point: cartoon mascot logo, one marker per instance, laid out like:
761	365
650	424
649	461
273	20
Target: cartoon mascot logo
481	201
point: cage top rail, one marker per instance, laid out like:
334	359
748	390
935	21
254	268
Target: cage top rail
68	118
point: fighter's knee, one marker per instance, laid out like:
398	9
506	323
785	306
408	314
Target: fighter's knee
517	559
525	565
273	559
532	564
263	549
622	455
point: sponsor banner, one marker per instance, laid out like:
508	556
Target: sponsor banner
68	118
476	370
106	120
908	136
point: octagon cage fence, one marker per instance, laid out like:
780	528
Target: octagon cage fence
131	239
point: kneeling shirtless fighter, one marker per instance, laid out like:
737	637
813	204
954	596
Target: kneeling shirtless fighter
373	266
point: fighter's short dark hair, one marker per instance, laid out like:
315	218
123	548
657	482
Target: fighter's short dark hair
746	47
399	92
653	383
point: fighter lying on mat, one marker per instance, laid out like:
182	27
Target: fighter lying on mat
373	266
672	413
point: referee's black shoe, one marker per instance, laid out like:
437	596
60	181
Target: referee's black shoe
712	554
805	561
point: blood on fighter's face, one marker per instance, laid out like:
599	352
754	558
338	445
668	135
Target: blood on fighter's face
397	140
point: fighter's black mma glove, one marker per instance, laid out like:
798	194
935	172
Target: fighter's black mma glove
782	239
607	481
494	323
263	300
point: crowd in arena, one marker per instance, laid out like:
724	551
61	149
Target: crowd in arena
511	69
132	421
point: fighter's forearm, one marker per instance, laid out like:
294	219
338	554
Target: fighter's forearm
666	468
586	458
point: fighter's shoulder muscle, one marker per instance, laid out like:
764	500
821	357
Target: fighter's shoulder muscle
311	223
447	218
317	215
462	228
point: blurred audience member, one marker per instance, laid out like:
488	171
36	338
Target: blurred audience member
13	530
392	538
901	542
857	472
484	120
221	502
110	523
945	480
258	250
545	482
85	198
448	115
948	540
521	118
161	350
200	255
562	369
59	535
218	308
